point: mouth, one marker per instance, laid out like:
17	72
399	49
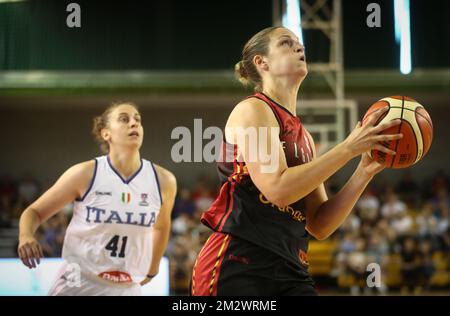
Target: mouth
302	58
135	134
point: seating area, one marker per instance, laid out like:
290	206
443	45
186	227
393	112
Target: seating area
321	256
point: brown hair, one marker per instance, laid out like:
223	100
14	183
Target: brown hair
245	70
102	121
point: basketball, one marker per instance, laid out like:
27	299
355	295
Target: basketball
416	127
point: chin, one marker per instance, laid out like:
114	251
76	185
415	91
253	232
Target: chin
135	145
302	73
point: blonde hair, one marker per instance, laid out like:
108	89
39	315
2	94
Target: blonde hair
102	121
245	70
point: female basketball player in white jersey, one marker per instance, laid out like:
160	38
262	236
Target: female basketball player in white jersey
121	219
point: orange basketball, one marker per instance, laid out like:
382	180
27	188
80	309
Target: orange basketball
416	127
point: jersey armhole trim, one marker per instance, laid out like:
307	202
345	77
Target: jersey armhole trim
90	185
157	182
280	122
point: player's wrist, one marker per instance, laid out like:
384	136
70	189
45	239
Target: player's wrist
345	150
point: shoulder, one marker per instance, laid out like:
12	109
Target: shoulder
166	178
83	170
252	112
76	178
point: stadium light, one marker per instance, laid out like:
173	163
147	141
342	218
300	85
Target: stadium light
403	34
292	18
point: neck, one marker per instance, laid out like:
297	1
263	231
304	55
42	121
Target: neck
282	91
125	162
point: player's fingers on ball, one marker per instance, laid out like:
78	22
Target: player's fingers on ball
384	149
388	137
387	125
376	115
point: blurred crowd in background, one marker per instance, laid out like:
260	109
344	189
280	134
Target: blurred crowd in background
406	218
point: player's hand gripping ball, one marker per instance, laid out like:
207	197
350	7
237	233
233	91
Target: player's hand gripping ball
416	127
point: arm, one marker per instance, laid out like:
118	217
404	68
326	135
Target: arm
161	230
69	186
323	221
283	185
325	215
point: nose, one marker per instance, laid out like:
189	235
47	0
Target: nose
299	48
134	122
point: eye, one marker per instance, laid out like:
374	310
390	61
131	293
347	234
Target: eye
287	41
123	119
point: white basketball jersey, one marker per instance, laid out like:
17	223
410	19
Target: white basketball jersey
110	234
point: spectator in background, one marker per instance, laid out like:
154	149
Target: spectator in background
203	195
392	205
182	259
182	225
356	265
368	206
346	246
378	252
426	265
183	204
351	225
426	222
410	266
402	224
443	226
366	230
387	231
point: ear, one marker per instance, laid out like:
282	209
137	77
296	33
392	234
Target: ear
106	134
261	62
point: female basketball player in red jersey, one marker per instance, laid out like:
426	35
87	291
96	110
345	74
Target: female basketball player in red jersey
121	220
262	220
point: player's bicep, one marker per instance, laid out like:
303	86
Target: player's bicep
266	171
253	127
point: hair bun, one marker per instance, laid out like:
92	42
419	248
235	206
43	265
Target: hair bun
241	73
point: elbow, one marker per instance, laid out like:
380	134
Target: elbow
318	233
277	197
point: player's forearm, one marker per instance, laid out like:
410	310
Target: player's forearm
297	182
160	240
29	222
331	214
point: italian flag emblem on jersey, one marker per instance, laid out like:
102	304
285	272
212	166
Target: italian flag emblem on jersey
126	197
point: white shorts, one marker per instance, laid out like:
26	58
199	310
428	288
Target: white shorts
68	285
